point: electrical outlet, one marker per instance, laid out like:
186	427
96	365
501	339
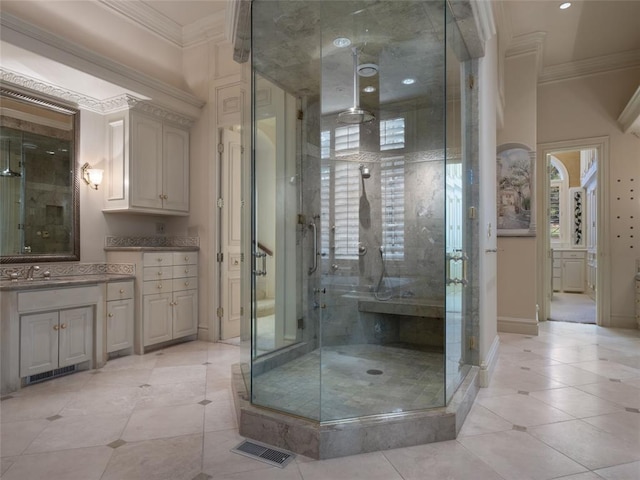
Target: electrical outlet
160	228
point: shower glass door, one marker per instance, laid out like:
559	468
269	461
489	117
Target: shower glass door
359	191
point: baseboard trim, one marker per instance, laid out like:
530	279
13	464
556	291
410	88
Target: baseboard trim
524	326
487	367
623	321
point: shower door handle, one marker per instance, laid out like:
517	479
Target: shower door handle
263	256
458	256
313	227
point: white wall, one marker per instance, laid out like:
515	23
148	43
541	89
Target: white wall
589	107
487	288
517	255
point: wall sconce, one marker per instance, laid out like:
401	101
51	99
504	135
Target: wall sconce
91	176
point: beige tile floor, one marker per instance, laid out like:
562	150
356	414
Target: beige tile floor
564	405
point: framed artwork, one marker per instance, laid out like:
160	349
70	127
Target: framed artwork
515	191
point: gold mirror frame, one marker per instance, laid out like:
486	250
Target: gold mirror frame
42	101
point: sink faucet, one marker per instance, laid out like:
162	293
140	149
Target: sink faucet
32	268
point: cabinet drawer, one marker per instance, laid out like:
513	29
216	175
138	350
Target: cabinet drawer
119	290
160	286
57	298
157	273
157	259
185	258
181	271
573	255
557	254
189	283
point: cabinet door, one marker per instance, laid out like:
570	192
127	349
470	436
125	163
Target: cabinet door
119	325
146	162
75	333
185	313
38	343
156	318
175	164
573	275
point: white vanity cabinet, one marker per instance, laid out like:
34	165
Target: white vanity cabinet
120	315
569	271
170	296
166	296
55	339
147	164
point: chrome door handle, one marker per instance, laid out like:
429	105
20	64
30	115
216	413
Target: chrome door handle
313	227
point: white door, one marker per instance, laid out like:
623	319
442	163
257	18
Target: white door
38	343
119	324
76	327
185	317
230	228
156	318
146	162
175	159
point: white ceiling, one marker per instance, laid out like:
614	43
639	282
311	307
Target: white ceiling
186	12
589	28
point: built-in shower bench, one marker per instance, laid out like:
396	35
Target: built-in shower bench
400	306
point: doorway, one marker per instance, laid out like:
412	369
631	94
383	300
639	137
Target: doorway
573	239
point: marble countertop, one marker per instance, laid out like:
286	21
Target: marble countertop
62	281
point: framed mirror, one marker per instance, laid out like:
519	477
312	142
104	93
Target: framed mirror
39	190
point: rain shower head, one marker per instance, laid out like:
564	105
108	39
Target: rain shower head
355	115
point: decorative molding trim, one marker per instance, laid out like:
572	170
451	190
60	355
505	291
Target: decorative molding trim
212	27
487	367
67	269
159	112
484	17
83	101
160	241
527	44
90	62
524	326
590	66
629	119
149	18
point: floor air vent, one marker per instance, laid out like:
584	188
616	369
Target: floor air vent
50	374
264	453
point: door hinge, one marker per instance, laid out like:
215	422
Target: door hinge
300	323
242	257
220	312
472	212
241	311
472	343
220	147
241	149
300	114
472	82
220	202
220	257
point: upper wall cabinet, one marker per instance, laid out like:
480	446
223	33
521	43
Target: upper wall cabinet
147	164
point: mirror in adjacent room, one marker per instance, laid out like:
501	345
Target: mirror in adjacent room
39	200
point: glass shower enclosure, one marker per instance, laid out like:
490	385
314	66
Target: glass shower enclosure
360	184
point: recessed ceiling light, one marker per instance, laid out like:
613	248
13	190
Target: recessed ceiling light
342	42
369	89
409	81
565	5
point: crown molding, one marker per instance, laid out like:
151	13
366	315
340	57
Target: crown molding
86	102
18	32
531	43
211	27
142	14
590	66
162	113
629	119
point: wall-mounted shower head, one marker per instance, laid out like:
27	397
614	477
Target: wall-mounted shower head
364	171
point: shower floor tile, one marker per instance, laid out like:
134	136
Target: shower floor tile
356	380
